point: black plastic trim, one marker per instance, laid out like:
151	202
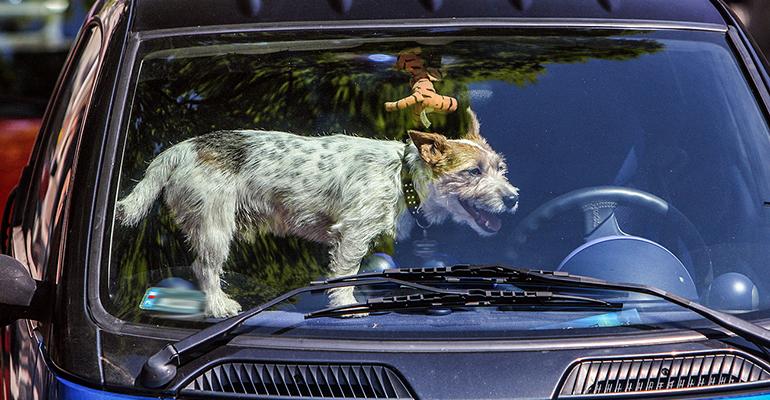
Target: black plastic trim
182	386
723	390
98	211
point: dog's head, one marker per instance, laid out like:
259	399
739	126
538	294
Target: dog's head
468	182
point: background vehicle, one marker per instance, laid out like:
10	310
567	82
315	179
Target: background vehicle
35	37
80	332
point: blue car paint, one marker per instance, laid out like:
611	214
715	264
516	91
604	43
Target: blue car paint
71	391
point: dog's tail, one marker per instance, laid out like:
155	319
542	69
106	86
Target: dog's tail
134	207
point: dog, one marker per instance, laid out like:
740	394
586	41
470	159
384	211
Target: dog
340	190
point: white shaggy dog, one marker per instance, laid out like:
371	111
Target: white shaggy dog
341	190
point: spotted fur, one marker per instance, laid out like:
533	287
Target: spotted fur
341	190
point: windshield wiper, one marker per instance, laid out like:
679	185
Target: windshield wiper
523	277
466	298
161	367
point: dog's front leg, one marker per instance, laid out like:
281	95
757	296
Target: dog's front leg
345	259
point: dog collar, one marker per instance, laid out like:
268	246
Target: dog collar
412	198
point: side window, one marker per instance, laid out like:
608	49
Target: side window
52	175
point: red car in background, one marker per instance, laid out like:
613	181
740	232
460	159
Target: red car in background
16	138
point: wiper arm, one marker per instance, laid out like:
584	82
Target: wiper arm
465	298
161	367
523	277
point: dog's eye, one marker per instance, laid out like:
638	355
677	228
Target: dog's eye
474	171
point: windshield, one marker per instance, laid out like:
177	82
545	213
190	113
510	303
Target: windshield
256	163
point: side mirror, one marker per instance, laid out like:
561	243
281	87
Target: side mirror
19	294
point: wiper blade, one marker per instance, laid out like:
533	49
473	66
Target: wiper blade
463	273
466	298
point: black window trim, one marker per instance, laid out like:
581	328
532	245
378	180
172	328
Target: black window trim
752	70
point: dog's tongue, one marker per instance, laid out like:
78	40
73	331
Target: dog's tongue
484	219
488	221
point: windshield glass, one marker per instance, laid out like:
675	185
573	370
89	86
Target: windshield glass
256	163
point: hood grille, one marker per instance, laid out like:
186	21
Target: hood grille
657	374
301	381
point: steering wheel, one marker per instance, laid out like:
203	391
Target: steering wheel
598	205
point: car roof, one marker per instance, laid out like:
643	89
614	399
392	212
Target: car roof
170	14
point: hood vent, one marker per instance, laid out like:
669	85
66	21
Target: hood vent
660	374
300	381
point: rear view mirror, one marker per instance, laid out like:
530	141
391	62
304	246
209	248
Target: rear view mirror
19	293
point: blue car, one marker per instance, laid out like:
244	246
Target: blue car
349	199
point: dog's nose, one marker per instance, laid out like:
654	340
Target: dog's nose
511	200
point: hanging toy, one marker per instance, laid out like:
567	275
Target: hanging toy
424	99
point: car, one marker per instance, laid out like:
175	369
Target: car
635	133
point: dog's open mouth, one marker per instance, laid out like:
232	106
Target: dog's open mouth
486	220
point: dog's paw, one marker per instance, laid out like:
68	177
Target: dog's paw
341	296
344	296
222	306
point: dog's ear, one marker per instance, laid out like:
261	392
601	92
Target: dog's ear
431	146
474	130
